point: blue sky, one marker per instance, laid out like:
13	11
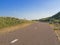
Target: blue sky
29	9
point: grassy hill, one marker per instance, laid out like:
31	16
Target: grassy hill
55	18
10	21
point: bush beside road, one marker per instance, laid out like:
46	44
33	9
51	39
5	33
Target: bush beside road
8	24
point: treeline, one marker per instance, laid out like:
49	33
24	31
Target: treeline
44	19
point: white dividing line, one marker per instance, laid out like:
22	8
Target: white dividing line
14	41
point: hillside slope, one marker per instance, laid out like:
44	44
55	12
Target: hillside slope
54	18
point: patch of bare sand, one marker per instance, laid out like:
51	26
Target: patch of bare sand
56	31
13	28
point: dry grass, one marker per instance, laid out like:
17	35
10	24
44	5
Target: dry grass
13	28
56	29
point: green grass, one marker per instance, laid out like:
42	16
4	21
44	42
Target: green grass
11	21
55	26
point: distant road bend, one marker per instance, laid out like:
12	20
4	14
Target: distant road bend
36	34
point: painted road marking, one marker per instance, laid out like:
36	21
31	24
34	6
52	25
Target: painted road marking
14	41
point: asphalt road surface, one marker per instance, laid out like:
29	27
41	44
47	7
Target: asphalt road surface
36	34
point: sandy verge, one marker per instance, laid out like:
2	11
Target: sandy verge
58	34
13	28
56	31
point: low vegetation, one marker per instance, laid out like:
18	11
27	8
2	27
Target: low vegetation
11	21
